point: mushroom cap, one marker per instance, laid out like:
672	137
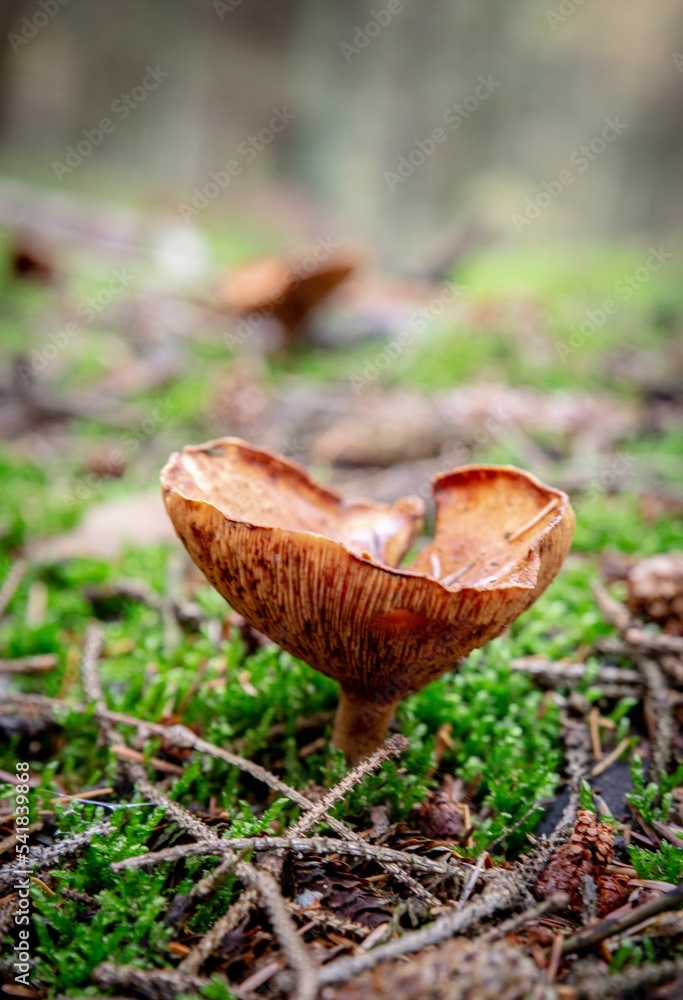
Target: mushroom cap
275	285
320	575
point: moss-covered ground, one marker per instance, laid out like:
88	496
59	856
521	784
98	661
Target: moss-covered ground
504	730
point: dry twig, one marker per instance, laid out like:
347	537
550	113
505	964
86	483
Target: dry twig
182	737
617	925
623	983
44	857
157	984
29	664
615	613
608	760
657	641
658	714
263	883
307	845
392	747
231	918
501	892
550	674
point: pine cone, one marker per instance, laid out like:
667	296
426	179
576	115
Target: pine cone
655	591
588	852
439	817
613	891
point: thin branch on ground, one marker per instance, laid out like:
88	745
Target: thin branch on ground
611	926
286	932
553	904
611	757
393	747
238	912
282	923
264	884
7	843
210	883
516	826
614	612
45	857
326	919
500	894
659	642
182	737
472	880
623	983
550	673
658	714
156	984
577	742
29	664
307	845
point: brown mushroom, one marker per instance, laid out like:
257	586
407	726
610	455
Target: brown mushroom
320	575
282	288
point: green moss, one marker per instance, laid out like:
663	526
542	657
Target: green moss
522	308
73	936
665	865
652	799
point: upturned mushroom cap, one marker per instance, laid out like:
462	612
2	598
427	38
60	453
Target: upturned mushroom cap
320	575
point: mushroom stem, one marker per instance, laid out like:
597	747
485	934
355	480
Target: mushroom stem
360	726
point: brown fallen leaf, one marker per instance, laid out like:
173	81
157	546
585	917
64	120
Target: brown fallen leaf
333	886
107	528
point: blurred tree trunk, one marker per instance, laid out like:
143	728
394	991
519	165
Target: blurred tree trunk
10	16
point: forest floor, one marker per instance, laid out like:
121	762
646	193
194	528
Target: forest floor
192	831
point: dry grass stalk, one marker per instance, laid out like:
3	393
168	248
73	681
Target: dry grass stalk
10	584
